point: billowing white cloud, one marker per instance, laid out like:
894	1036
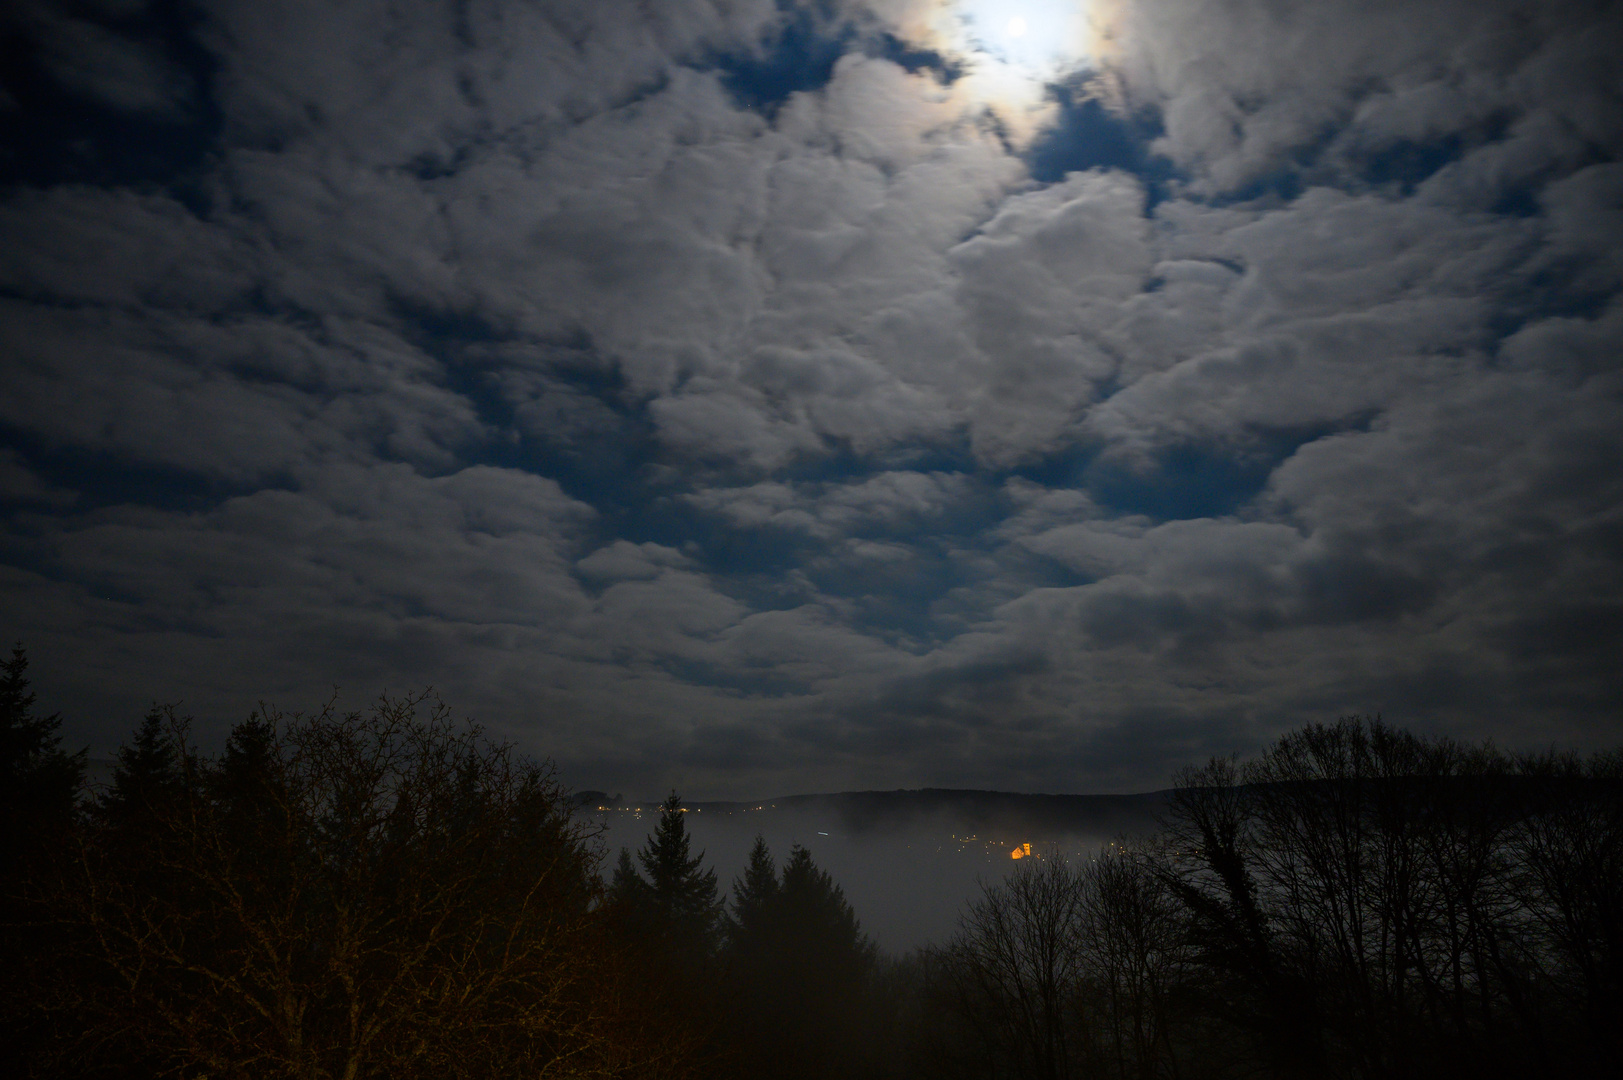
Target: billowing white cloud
1245	87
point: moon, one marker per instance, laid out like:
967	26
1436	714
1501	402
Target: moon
1014	51
1039	38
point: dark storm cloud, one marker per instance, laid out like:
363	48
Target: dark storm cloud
762	397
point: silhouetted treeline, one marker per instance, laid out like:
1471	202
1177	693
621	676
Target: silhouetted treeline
388	894
1356	902
368	894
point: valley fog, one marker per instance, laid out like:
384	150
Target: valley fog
908	862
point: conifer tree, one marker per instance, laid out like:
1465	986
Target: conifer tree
682	894
150	769
248	786
38	780
754	896
626	878
799	961
39	787
830	940
627	889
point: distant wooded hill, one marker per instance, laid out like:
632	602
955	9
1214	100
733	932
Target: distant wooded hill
1010	811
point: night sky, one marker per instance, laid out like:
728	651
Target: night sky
757	397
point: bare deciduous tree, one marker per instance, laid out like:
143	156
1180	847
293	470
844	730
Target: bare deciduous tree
1016	965
1132	934
350	895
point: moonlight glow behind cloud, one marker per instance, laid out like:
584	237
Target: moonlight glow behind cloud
1043	37
757	398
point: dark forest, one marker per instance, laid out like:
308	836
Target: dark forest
388	893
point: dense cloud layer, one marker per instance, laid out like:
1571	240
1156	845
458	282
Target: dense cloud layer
759	398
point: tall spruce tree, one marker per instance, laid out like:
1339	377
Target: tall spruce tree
799	964
39	781
754	896
823	936
682	894
150	770
39	789
627	886
629	900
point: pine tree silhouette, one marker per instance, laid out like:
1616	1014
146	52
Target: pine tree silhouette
682	895
40	781
754	896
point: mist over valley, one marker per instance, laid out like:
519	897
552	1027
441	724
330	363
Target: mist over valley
907	860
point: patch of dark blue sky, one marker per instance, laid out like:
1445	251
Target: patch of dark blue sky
1189	480
761	681
1087	135
618	473
894	597
916	60
637	503
439	163
103	478
1399	167
799	57
1405	165
608	474
1556	290
138	609
1037	571
58	135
